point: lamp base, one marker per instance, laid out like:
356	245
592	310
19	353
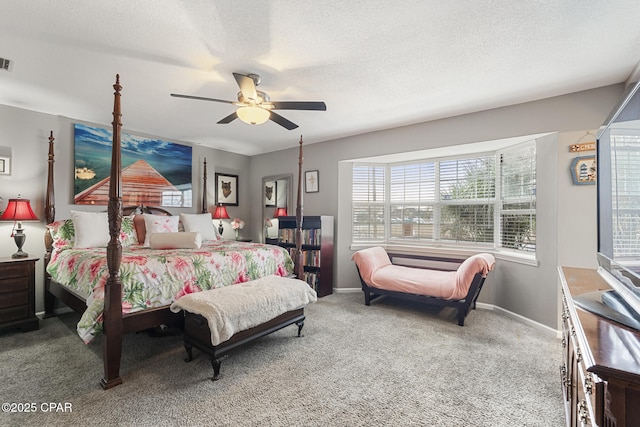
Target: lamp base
20	254
19	237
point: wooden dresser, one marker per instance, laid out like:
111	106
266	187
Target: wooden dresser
17	293
601	360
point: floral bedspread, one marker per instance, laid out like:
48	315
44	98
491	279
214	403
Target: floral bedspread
154	278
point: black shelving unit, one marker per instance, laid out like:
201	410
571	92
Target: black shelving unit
317	248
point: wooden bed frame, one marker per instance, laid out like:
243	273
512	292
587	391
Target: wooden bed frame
115	324
464	305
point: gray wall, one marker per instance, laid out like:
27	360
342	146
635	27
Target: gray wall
27	134
566	213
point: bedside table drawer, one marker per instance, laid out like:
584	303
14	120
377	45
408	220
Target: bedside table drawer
17	294
14	284
13	270
14	299
14	313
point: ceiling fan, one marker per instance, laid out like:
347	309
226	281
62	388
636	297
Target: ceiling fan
255	106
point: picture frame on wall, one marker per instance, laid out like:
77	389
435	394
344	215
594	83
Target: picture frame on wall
155	172
270	194
5	166
226	189
583	170
311	182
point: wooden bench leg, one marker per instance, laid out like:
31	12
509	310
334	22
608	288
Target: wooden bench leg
215	363
300	324
189	349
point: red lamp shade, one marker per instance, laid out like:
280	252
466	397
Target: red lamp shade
221	213
18	210
280	212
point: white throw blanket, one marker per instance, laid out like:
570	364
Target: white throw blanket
242	306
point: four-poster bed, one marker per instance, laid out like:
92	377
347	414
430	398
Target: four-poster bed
115	322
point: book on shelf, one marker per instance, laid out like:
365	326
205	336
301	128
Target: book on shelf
310	236
311	277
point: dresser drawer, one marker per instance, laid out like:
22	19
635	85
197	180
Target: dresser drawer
14	284
14	313
13	299
13	270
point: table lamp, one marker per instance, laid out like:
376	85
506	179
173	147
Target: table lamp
18	210
280	212
220	213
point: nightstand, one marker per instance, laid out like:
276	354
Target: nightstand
17	294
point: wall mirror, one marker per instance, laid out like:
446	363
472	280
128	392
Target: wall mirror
5	160
276	194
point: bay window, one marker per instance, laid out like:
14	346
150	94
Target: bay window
482	201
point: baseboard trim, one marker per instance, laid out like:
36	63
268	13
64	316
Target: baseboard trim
484	306
56	311
346	290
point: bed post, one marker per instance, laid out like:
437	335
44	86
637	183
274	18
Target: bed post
50	216
112	316
204	188
299	264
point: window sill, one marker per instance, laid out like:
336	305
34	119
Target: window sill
450	252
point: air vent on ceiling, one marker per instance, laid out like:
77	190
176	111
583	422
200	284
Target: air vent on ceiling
5	64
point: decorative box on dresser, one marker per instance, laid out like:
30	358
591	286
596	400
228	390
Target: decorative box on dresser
317	248
17	294
601	360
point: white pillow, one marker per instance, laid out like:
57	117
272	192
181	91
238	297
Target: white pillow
159	224
175	240
91	229
199	223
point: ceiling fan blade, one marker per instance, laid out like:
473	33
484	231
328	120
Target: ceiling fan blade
231	117
282	121
177	95
247	87
300	105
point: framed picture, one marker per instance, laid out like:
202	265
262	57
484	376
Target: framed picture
226	189
155	172
5	166
270	193
311	184
583	170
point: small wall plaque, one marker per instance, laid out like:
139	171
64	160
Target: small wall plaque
585	146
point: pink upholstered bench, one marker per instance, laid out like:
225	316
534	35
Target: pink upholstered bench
459	288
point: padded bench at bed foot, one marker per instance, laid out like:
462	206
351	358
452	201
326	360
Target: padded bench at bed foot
218	320
197	334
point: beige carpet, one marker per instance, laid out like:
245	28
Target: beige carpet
392	363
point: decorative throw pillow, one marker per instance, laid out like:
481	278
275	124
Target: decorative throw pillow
91	228
62	233
199	223
178	240
159	224
128	235
138	223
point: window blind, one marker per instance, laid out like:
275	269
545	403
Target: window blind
518	197
368	202
626	201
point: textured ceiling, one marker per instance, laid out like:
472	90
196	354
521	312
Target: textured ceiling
377	64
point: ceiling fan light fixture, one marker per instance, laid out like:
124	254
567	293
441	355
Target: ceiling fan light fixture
253	115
